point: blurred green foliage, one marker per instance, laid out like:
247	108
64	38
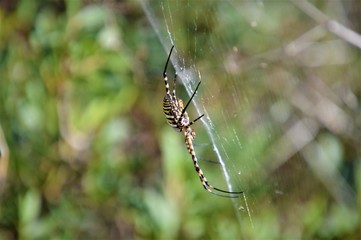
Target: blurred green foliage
90	155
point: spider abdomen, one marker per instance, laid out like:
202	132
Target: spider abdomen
169	113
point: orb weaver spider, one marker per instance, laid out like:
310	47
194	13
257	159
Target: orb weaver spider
177	118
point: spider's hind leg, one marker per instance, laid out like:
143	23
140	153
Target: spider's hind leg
165	77
166	64
174	86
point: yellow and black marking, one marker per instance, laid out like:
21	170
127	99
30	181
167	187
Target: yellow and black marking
177	117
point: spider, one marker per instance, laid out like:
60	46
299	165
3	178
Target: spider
177	118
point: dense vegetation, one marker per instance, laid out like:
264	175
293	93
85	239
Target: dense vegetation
86	152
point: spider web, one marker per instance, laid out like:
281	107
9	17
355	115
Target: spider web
272	93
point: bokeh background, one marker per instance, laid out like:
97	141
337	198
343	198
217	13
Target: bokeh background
85	149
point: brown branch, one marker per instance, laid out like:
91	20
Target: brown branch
329	24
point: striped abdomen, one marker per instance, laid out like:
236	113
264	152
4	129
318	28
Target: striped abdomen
169	112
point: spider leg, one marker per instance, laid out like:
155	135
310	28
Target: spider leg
166	64
189	101
206	185
195	120
165	72
174	86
